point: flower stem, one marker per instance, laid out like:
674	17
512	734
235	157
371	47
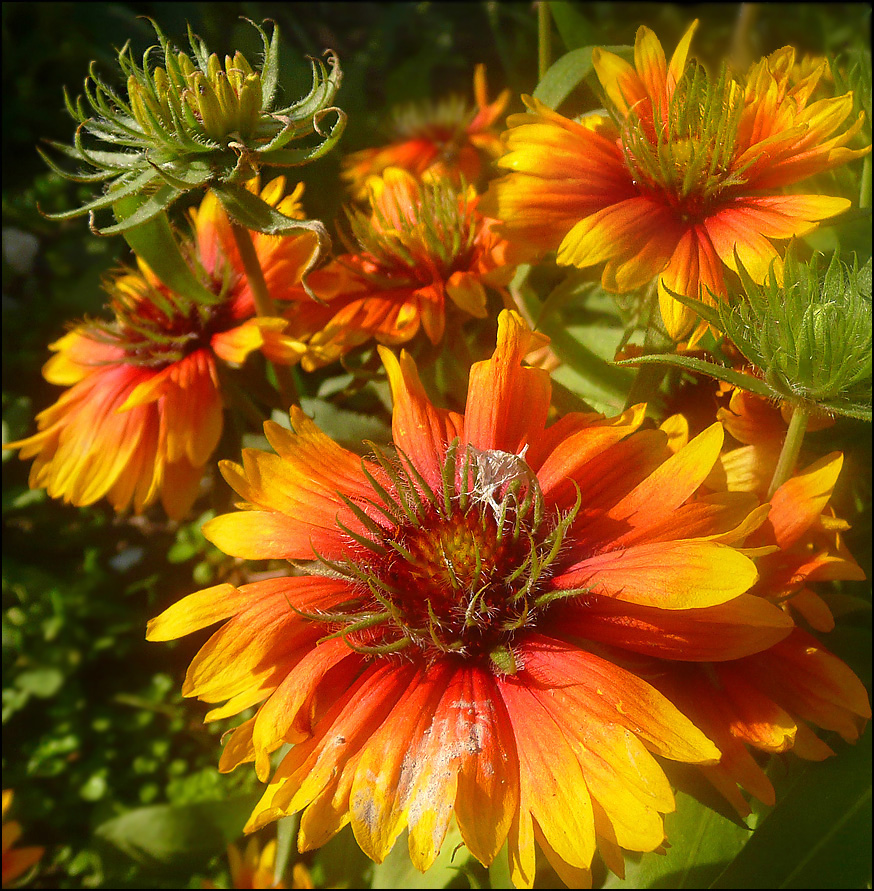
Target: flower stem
264	305
741	44
791	448
865	184
544	49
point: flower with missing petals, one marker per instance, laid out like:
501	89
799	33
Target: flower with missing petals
684	180
438	651
445	140
143	410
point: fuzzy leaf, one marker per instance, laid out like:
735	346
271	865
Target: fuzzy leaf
699	366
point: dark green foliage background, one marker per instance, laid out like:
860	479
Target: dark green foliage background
112	771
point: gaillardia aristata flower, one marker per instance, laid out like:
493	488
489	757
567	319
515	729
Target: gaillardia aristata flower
685	177
143	412
440	649
425	251
447	139
767	701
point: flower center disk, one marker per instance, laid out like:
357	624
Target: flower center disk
456	572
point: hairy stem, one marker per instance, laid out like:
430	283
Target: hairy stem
791	448
544	48
264	306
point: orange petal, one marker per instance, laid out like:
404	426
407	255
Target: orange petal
669	575
507	403
745	625
601	690
422	431
797	504
552	787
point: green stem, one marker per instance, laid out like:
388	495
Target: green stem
264	306
791	448
741	44
544	48
865	185
646	383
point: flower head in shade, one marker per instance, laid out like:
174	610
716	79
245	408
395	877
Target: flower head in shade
447	139
256	868
16	861
425	251
767	701
143	410
685	179
440	649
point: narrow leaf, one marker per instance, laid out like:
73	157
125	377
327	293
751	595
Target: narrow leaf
699	366
154	243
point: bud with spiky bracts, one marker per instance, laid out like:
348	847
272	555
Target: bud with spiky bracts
197	123
807	333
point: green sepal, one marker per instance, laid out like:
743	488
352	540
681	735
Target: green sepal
153	242
699	366
709	313
75	177
252	212
150	206
281	157
270	70
137	184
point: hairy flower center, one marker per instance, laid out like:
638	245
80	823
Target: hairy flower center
157	327
685	156
460	571
425	237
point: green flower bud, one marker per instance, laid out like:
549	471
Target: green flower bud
194	124
807	333
810	335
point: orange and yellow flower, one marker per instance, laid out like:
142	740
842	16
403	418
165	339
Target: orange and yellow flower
256	868
447	140
683	180
143	411
425	251
456	639
767	700
16	861
802	527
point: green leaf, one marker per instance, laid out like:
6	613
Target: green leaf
567	73
702	842
153	242
349	428
397	870
43	682
690	363
574	28
564	76
342	864
819	835
256	214
167	834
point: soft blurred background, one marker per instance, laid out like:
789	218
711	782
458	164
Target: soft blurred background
113	773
